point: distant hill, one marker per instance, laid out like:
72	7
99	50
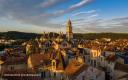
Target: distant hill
92	36
18	35
27	36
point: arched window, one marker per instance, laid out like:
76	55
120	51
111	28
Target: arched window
53	64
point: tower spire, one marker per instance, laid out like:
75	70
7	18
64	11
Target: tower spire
69	33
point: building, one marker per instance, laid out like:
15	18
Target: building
69	33
11	63
120	71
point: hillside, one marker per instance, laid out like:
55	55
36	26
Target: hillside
91	36
18	35
27	36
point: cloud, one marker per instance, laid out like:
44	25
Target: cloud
110	25
83	2
94	15
110	29
39	13
83	13
26	11
49	3
80	30
73	7
94	23
91	17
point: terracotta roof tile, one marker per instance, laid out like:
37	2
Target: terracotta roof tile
38	59
75	68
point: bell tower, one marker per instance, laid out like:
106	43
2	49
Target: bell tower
69	33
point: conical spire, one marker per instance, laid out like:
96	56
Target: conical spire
69	22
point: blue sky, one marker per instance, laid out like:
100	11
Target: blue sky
51	15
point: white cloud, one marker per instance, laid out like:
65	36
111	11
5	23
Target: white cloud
84	13
48	3
83	2
95	23
72	7
93	16
25	11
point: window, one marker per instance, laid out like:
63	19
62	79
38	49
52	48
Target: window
83	77
94	63
43	75
91	62
53	63
101	59
12	67
54	74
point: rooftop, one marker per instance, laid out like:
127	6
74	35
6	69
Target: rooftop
75	68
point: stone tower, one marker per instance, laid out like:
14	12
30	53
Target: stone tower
69	33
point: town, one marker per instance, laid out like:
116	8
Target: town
63	57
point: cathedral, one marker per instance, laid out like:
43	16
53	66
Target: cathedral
48	39
54	53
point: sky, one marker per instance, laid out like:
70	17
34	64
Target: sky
87	16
